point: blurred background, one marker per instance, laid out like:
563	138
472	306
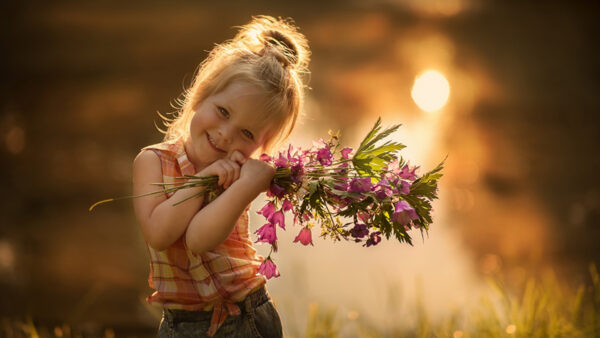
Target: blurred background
507	89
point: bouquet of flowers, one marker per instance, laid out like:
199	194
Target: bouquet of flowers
358	196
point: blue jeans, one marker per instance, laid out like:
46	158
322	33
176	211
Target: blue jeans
259	318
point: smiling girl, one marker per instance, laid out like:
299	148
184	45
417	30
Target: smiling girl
245	97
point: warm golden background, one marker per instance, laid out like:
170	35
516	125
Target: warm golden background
82	84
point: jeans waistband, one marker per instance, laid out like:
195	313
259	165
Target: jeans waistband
251	301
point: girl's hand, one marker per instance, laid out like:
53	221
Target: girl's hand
257	173
226	169
238	157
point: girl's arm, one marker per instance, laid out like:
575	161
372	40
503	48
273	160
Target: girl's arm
161	222
214	223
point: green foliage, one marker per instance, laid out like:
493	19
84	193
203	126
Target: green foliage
371	159
426	185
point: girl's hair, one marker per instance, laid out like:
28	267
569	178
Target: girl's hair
269	53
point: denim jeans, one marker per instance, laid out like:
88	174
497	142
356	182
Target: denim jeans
259	318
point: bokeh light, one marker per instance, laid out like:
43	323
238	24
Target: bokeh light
431	91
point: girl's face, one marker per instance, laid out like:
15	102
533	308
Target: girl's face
227	121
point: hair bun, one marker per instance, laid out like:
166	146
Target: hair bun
279	37
285	45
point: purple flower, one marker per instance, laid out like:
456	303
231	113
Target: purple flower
297	170
346	152
268	269
267	210
264	157
360	185
405	187
278	219
324	156
275	190
294	158
408	174
281	162
374	238
287	205
267	233
383	189
392	178
341	183
404	213
304	236
359	231
363	216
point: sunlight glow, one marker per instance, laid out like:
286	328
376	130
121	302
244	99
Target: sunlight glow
431	91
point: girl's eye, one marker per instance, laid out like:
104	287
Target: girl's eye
248	134
223	111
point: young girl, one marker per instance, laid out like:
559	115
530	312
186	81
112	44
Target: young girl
245	98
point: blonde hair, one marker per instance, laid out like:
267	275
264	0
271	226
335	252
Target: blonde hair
268	53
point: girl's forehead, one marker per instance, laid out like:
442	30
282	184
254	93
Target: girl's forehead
241	90
246	103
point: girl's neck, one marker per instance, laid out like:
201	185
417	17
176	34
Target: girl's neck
191	157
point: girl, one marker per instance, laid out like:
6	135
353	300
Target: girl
245	97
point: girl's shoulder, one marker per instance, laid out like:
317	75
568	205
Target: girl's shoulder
173	148
156	156
172	157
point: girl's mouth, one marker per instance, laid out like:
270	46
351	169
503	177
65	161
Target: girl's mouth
212	144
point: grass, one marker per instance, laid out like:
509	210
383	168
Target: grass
538	308
543	307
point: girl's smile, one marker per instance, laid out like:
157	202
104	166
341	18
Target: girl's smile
212	144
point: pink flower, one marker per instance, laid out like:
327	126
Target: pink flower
293	156
287	205
266	233
275	190
297	170
305	237
361	184
408	174
341	183
268	269
278	219
359	231
346	152
363	216
374	239
264	157
267	211
405	187
324	156
383	189
281	162
404	213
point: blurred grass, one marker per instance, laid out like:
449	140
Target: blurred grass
540	307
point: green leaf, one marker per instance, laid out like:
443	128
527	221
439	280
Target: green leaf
371	159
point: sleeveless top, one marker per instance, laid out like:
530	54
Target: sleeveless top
214	280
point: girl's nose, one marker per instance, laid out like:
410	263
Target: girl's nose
226	132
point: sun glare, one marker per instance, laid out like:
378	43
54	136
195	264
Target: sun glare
431	91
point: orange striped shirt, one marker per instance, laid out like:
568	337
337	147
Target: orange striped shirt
216	279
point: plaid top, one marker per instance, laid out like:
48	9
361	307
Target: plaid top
216	279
